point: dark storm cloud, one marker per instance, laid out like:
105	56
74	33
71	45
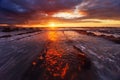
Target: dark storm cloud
22	6
8	5
101	8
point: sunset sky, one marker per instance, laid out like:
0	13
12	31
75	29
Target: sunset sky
60	13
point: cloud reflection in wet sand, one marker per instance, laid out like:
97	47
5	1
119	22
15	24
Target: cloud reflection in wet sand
56	62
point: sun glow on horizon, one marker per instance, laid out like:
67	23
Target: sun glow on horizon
52	24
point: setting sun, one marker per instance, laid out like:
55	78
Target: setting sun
52	24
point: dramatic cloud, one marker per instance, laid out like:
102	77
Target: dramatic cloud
22	6
22	11
11	9
101	8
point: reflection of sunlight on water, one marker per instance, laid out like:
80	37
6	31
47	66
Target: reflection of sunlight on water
52	36
55	62
55	67
53	52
